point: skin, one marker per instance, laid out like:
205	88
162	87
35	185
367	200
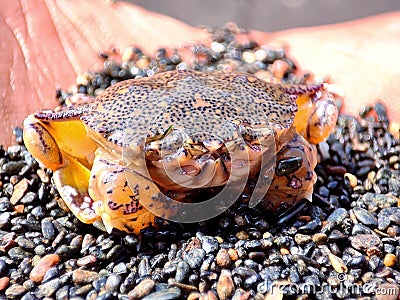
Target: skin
29	73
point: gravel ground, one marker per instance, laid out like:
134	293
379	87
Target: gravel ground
343	245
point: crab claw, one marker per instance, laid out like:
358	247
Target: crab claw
72	184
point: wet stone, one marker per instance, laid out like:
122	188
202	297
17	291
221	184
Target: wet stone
42	266
84	276
209	244
223	259
15	291
49	288
365	241
225	285
338	216
182	271
194	257
142	289
165	294
365	216
113	282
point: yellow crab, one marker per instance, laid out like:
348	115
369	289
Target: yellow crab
175	135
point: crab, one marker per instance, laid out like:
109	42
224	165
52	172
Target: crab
123	157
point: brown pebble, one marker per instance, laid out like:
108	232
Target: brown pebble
142	289
352	179
335	170
365	241
42	266
225	285
389	260
387	291
19	191
320	238
4	281
284	251
242	235
223	259
84	276
304	218
392	231
44	177
87	260
15	291
233	254
19	208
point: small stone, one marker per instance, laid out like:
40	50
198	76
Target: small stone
195	257
15	291
337	263
142	289
320	238
364	216
302	239
233	254
49	288
242	235
365	241
4	281
42	266
48	229
84	276
209	244
87	260
19	191
389	260
164	294
352	179
113	282
249	57
225	285
223	259
182	270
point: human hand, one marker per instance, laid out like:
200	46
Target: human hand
46	44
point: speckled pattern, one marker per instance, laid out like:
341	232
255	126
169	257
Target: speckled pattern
196	102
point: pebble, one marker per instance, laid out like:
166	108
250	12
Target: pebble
225	285
364	241
19	191
165	294
302	239
389	260
87	260
223	259
195	257
113	282
365	216
42	266
142	289
84	276
49	288
4	281
15	291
